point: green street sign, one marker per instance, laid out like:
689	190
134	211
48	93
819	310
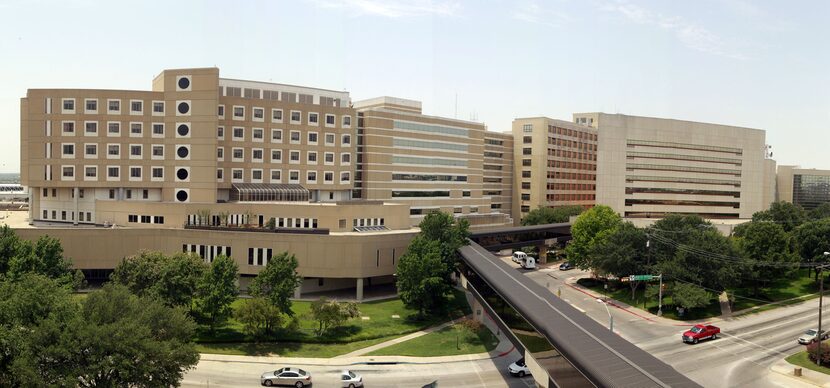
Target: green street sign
641	277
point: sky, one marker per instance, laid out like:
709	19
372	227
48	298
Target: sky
758	64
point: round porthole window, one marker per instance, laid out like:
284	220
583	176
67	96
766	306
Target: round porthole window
184	83
182	174
182	152
183	129
184	107
181	195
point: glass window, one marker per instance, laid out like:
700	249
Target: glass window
158	129
136	106
239	111
276	114
276	155
312	118
295	116
158	107
91	127
329	119
114	105
276	135
114	128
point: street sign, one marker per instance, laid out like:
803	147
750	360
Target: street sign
641	277
624	279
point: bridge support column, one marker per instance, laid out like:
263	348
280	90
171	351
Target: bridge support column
359	295
297	291
543	253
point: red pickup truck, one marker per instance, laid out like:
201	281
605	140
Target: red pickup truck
700	332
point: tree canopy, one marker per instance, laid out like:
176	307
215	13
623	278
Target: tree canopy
589	227
331	313
769	252
551	215
173	279
421	276
277	282
218	289
790	216
44	256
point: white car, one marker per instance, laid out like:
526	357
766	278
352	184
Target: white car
351	379
811	336
286	376
518	256
519	368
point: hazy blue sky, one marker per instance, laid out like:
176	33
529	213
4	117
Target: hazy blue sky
757	64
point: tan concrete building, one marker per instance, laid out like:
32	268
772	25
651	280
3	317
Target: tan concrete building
497	180
649	167
555	164
216	166
805	187
427	162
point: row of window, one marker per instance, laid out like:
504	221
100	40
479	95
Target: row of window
571	154
113	106
572	186
258	136
571	176
258	156
571	165
134	218
572	133
257	176
113	173
113	129
113	151
63	215
207	252
238	112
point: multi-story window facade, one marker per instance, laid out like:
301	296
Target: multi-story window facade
649	167
555	164
430	163
808	188
497	179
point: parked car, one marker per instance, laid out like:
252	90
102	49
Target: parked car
700	332
811	336
286	376
519	368
518	256
351	379
565	266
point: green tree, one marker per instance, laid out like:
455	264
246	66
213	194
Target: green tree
620	252
44	256
277	282
551	215
218	289
690	296
820	212
769	249
790	216
330	313
812	239
8	247
259	317
691	249
588	228
421	276
450	233
173	279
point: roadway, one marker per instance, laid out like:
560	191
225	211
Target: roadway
489	373
741	357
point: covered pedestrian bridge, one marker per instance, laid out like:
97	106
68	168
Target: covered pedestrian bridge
562	346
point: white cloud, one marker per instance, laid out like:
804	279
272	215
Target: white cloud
690	34
533	13
392	8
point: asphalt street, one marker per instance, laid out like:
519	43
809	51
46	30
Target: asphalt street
741	357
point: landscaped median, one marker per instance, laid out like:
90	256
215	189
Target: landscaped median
380	321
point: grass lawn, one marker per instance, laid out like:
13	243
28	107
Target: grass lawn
286	349
354	334
800	287
443	343
801	359
623	294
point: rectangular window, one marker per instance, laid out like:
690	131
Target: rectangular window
238	155
114	106
346	140
91	106
312	118
221	111
294	157
113	128
220	174
69	128
91	171
328	157
91	150
312	138
276	136
276	115
276	176
220	133
330	120
256	175
158	151
158	107
294	176
256	154
295	117
328	177
136	106
113	172
68	171
112	194
145	219
312	157
68	150
91	127
113	151
158	129
158	172
236	174
135	151
311	177
135	172
69	104
136	129
220	153
257	135
329	139
345	159
276	156
238	133
132	218
345	177
238	112
347	121
295	137
259	114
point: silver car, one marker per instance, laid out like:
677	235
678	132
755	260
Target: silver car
293	377
811	336
350	379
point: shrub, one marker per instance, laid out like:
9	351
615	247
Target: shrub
812	352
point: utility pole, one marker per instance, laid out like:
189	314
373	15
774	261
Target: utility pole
660	298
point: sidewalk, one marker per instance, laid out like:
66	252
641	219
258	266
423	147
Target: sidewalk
398	340
645	315
782	371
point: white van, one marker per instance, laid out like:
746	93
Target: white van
518	256
528	262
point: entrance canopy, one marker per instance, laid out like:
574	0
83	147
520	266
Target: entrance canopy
268	192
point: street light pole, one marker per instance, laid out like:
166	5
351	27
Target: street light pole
660	298
610	317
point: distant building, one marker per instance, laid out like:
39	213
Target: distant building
650	167
807	188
